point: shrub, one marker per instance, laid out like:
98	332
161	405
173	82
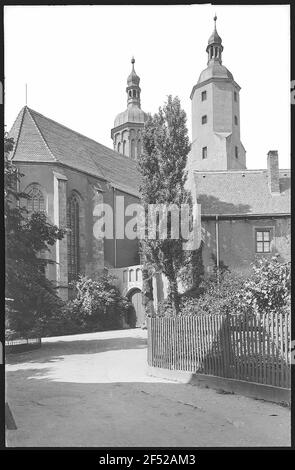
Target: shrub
268	288
165	309
98	304
223	295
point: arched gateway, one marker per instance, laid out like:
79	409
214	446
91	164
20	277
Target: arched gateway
135	296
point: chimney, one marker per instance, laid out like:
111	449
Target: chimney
273	171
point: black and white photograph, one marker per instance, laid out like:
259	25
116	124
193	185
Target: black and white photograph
147	225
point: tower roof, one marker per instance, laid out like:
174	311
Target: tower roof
215	70
133	78
215	38
133	113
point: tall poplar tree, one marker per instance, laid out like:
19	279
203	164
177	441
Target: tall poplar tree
163	176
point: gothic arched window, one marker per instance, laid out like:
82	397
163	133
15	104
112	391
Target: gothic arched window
73	236
36	200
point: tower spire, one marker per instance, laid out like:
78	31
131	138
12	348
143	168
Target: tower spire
214	48
133	90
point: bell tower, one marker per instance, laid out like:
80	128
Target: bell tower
216	143
126	133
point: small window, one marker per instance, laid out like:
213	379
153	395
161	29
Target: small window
235	96
236	120
262	241
236	152
204	153
204	95
204	119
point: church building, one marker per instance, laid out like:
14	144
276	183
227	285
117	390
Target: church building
245	212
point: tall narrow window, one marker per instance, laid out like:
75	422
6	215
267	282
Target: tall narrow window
204	95
236	152
235	96
236	120
262	241
124	147
119	147
35	201
204	119
204	152
132	148
73	237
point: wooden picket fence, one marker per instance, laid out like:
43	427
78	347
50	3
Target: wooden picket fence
251	348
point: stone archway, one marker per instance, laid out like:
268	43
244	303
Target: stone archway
135	297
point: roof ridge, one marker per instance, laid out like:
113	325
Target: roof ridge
118	155
41	134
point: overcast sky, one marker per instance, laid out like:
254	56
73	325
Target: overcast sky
76	59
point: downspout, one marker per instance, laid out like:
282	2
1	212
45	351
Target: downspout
114	227
217	246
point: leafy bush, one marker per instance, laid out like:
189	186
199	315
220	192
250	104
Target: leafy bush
223	295
268	288
165	309
98	304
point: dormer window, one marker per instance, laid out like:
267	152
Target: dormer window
204	95
204	119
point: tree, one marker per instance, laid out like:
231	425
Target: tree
32	295
163	176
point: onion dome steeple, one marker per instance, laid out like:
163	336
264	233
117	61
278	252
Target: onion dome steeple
133	90
128	125
214	48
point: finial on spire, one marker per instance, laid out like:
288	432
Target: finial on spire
132	60
215	18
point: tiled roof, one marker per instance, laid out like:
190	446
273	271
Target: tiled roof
40	139
241	192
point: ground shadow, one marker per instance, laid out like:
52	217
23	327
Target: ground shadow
50	351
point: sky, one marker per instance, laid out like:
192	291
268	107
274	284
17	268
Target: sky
75	61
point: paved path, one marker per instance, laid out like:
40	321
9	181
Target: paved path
92	390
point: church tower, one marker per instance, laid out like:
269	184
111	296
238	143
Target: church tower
216	143
126	133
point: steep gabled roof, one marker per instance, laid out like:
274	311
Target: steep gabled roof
40	139
241	192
